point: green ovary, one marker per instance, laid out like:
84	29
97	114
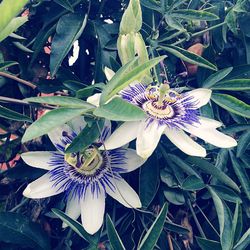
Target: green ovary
87	162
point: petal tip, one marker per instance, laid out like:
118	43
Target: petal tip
27	192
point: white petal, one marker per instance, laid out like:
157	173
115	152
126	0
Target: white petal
38	159
200	96
56	135
148	138
77	124
41	188
73	209
132	162
94	99
213	136
121	136
109	73
92	211
208	123
184	142
124	194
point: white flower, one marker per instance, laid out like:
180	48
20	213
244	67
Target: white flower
169	113
85	178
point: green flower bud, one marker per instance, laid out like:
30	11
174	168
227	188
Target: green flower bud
132	18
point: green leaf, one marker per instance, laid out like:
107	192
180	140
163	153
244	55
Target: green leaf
123	78
189	57
194	15
87	91
150	239
115	241
232	104
209	168
12	115
63	101
234	85
16	228
86	137
243	242
226	193
225	220
241	174
148	181
176	228
51	120
216	77
119	110
68	30
182	164
65	4
40	41
192	183
151	4
7	64
243	143
75	226
14	24
174	195
9	9
206	244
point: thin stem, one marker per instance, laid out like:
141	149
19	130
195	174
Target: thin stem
19	205
29	84
205	30
207	220
170	244
198	33
12	100
195	219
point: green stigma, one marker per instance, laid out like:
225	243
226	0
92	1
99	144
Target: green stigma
87	162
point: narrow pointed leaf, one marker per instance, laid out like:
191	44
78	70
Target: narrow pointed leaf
74	225
51	120
206	244
115	241
14	24
216	77
194	15
209	168
243	242
232	104
120	110
116	84
225	220
241	174
68	30
12	115
86	137
243	143
234	85
65	4
189	56
9	9
150	239
63	101
7	64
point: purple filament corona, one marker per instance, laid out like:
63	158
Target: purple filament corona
74	183
183	106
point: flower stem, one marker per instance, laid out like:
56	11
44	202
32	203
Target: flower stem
29	84
196	220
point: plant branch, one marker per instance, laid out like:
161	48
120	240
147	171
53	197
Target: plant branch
29	84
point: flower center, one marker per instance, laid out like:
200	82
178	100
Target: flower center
160	101
86	163
158	111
